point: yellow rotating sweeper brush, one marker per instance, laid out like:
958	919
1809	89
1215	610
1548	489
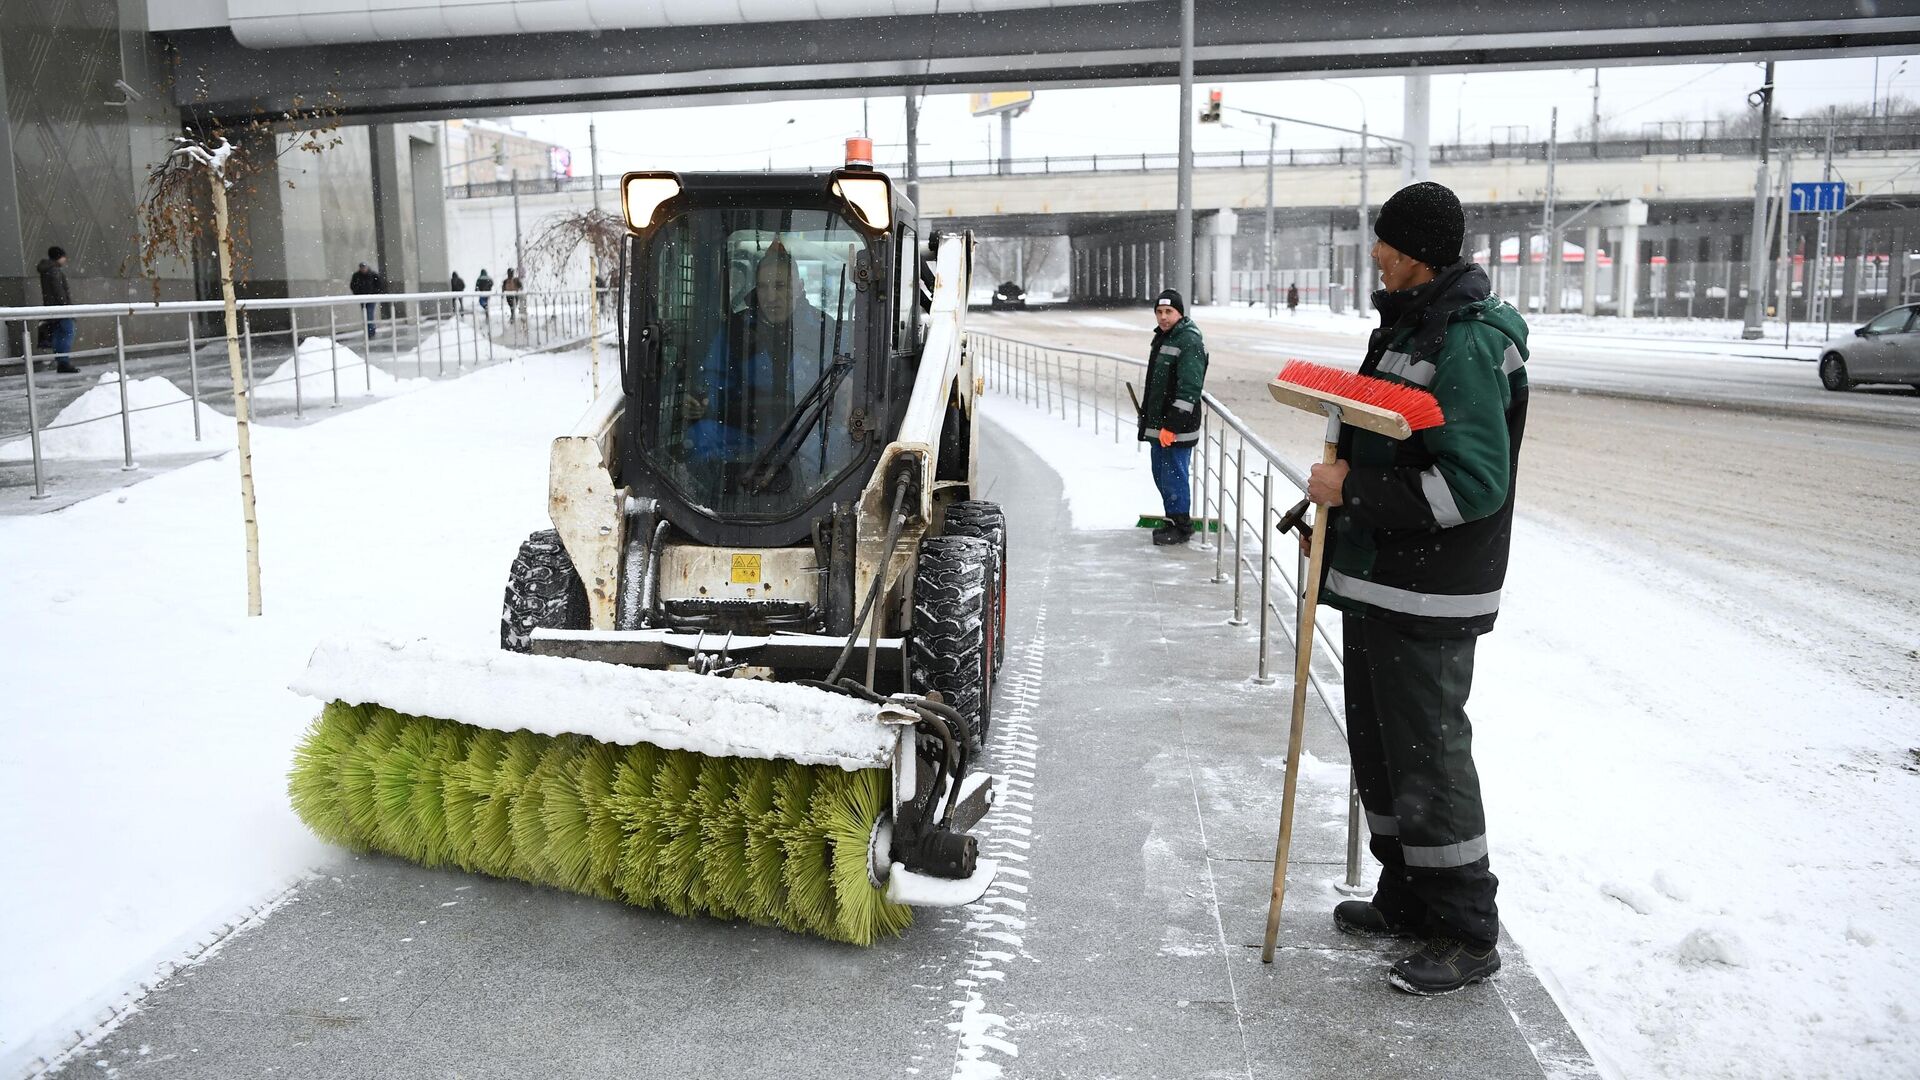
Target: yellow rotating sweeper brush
733	798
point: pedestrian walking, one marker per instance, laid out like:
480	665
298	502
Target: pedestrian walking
1417	554
367	282
56	334
1170	412
510	288
458	284
1293	298
483	288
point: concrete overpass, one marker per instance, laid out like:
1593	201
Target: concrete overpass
438	58
1682	209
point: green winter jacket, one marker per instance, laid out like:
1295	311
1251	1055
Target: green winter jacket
1422	534
1176	375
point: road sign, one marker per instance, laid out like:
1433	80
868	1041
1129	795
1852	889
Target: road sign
1819	198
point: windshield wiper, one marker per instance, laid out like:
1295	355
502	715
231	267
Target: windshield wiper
792	434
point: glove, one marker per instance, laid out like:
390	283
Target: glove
1166	438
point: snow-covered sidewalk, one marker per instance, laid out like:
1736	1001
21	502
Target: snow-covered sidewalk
1706	839
149	730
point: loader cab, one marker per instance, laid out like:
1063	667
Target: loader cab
775	331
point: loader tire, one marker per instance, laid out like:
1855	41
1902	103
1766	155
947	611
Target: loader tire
988	522
543	591
950	648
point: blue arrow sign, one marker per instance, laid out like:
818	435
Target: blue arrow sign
1819	198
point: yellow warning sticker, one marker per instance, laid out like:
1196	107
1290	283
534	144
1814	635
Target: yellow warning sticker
746	569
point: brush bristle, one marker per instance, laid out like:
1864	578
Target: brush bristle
771	842
1416	406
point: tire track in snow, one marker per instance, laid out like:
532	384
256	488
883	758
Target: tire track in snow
996	923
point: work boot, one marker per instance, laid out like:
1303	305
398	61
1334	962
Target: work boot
1443	965
1167	534
65	367
1361	918
1182	526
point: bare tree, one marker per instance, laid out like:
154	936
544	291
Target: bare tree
175	221
563	235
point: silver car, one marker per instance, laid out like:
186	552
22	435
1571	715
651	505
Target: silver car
1886	350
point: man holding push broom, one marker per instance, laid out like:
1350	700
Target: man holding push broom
1416	556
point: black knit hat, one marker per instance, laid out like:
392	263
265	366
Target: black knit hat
1424	221
1171	298
56	252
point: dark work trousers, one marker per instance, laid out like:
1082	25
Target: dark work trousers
1412	750
1170	465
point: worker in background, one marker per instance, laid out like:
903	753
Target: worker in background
1170	412
1416	556
483	289
456	283
510	287
367	282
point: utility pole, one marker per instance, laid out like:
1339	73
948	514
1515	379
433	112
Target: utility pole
593	156
1183	198
1362	274
913	145
1272	132
1824	273
1594	131
519	257
1550	269
1757	246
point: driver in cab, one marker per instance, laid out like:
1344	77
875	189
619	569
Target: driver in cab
775	350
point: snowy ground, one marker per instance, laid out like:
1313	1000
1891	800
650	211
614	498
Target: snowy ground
1705	837
142	773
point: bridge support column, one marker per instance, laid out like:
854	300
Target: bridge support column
1523	287
1627	259
1416	162
1590	273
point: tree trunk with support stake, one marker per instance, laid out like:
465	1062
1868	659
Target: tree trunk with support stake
593	316
223	237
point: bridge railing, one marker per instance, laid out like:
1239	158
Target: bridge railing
313	349
1235	473
1891	135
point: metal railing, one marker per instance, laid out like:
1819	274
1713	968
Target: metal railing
465	328
1089	389
1860	137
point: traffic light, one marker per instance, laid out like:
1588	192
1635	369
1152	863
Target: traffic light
1211	114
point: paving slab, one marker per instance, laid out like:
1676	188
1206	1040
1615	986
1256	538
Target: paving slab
1122	940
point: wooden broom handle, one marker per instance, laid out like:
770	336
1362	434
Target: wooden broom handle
1302	669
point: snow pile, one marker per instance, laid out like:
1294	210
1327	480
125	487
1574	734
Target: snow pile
318	357
549	695
143	777
89	427
1705	836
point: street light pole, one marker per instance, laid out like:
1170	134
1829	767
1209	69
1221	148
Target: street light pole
1183	199
593	155
1757	245
519	257
1273	130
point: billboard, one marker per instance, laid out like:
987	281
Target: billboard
1000	101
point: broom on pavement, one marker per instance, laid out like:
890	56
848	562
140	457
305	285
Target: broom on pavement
1395	410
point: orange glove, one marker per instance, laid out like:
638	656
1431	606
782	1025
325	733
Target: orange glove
1166	438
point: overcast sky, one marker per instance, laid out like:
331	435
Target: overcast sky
1135	119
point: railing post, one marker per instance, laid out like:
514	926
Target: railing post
1079	390
293	335
1266	571
333	352
1204	487
439	338
419	354
1353	886
193	375
1220	507
246	330
126	419
459	334
33	417
1239	527
393	339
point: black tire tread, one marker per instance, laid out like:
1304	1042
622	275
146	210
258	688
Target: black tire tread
987	521
543	591
949	627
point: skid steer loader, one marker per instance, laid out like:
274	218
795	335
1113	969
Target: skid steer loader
780	490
